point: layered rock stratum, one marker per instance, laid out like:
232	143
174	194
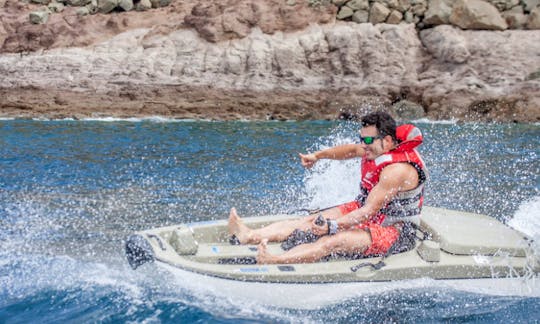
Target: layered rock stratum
260	60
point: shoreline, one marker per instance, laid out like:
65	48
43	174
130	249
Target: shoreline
182	102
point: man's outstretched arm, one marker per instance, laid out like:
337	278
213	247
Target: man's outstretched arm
340	152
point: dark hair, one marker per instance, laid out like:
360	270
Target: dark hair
386	125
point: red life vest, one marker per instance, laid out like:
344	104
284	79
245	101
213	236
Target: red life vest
405	204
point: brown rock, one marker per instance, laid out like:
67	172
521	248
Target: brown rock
345	12
360	16
358	4
395	17
476	14
403	5
446	44
378	13
515	20
438	12
529	5
106	6
534	19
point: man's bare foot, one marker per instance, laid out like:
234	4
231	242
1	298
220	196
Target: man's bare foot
237	227
263	257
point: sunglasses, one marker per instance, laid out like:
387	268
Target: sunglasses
369	139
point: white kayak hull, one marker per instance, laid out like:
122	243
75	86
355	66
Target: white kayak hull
314	296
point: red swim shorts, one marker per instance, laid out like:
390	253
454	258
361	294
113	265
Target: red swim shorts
354	205
382	239
349	207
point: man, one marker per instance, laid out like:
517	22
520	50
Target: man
393	177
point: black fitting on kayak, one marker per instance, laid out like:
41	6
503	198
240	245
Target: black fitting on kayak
138	251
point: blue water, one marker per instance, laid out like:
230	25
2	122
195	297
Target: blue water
71	191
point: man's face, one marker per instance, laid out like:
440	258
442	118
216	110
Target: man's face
375	149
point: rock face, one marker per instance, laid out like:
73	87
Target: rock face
230	19
314	73
270	59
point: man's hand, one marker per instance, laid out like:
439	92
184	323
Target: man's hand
319	230
308	160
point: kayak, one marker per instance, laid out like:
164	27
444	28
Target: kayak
464	251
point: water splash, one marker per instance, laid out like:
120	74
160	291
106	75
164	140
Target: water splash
527	218
332	182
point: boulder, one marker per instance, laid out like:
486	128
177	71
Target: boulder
160	3
106	6
409	17
408	110
39	17
446	44
82	11
438	12
389	3
45	2
358	4
92	7
78	3
477	14
339	3
529	5
403	5
419	9
394	18
345	12
360	16
534	19
144	5
503	5
55	7
378	13
127	5
514	19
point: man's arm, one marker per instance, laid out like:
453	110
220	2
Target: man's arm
340	152
393	179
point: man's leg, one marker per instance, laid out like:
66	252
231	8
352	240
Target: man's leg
275	232
353	241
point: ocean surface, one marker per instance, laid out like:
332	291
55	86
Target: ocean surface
71	191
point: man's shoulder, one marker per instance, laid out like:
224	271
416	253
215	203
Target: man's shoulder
400	172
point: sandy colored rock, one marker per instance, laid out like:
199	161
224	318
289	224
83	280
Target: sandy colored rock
534	19
476	14
360	16
358	4
345	12
438	12
378	13
446	44
514	19
529	5
395	17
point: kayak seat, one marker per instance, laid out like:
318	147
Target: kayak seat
471	234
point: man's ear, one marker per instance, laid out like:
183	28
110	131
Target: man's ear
388	142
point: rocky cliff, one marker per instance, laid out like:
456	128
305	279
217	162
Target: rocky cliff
261	60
